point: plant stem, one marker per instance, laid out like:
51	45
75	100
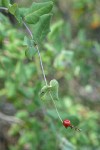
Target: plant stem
29	31
55	107
41	64
42	68
10	119
3	8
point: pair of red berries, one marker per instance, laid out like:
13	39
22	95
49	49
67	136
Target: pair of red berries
67	124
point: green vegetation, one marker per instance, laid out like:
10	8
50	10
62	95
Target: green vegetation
70	54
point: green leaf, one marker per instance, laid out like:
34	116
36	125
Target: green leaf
30	52
12	8
56	27
14	130
22	114
35	7
32	18
37	10
54	89
50	89
42	28
46	7
5	3
44	92
74	119
27	41
64	60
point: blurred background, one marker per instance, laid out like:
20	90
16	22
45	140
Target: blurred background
71	55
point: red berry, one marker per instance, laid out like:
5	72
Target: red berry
66	123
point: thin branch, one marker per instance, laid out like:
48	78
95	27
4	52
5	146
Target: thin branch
10	119
42	66
4	8
29	31
55	107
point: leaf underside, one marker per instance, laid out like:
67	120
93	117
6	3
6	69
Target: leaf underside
50	89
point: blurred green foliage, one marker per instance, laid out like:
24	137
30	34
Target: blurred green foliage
71	58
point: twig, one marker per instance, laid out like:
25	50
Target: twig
42	66
10	119
29	31
4	8
55	107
